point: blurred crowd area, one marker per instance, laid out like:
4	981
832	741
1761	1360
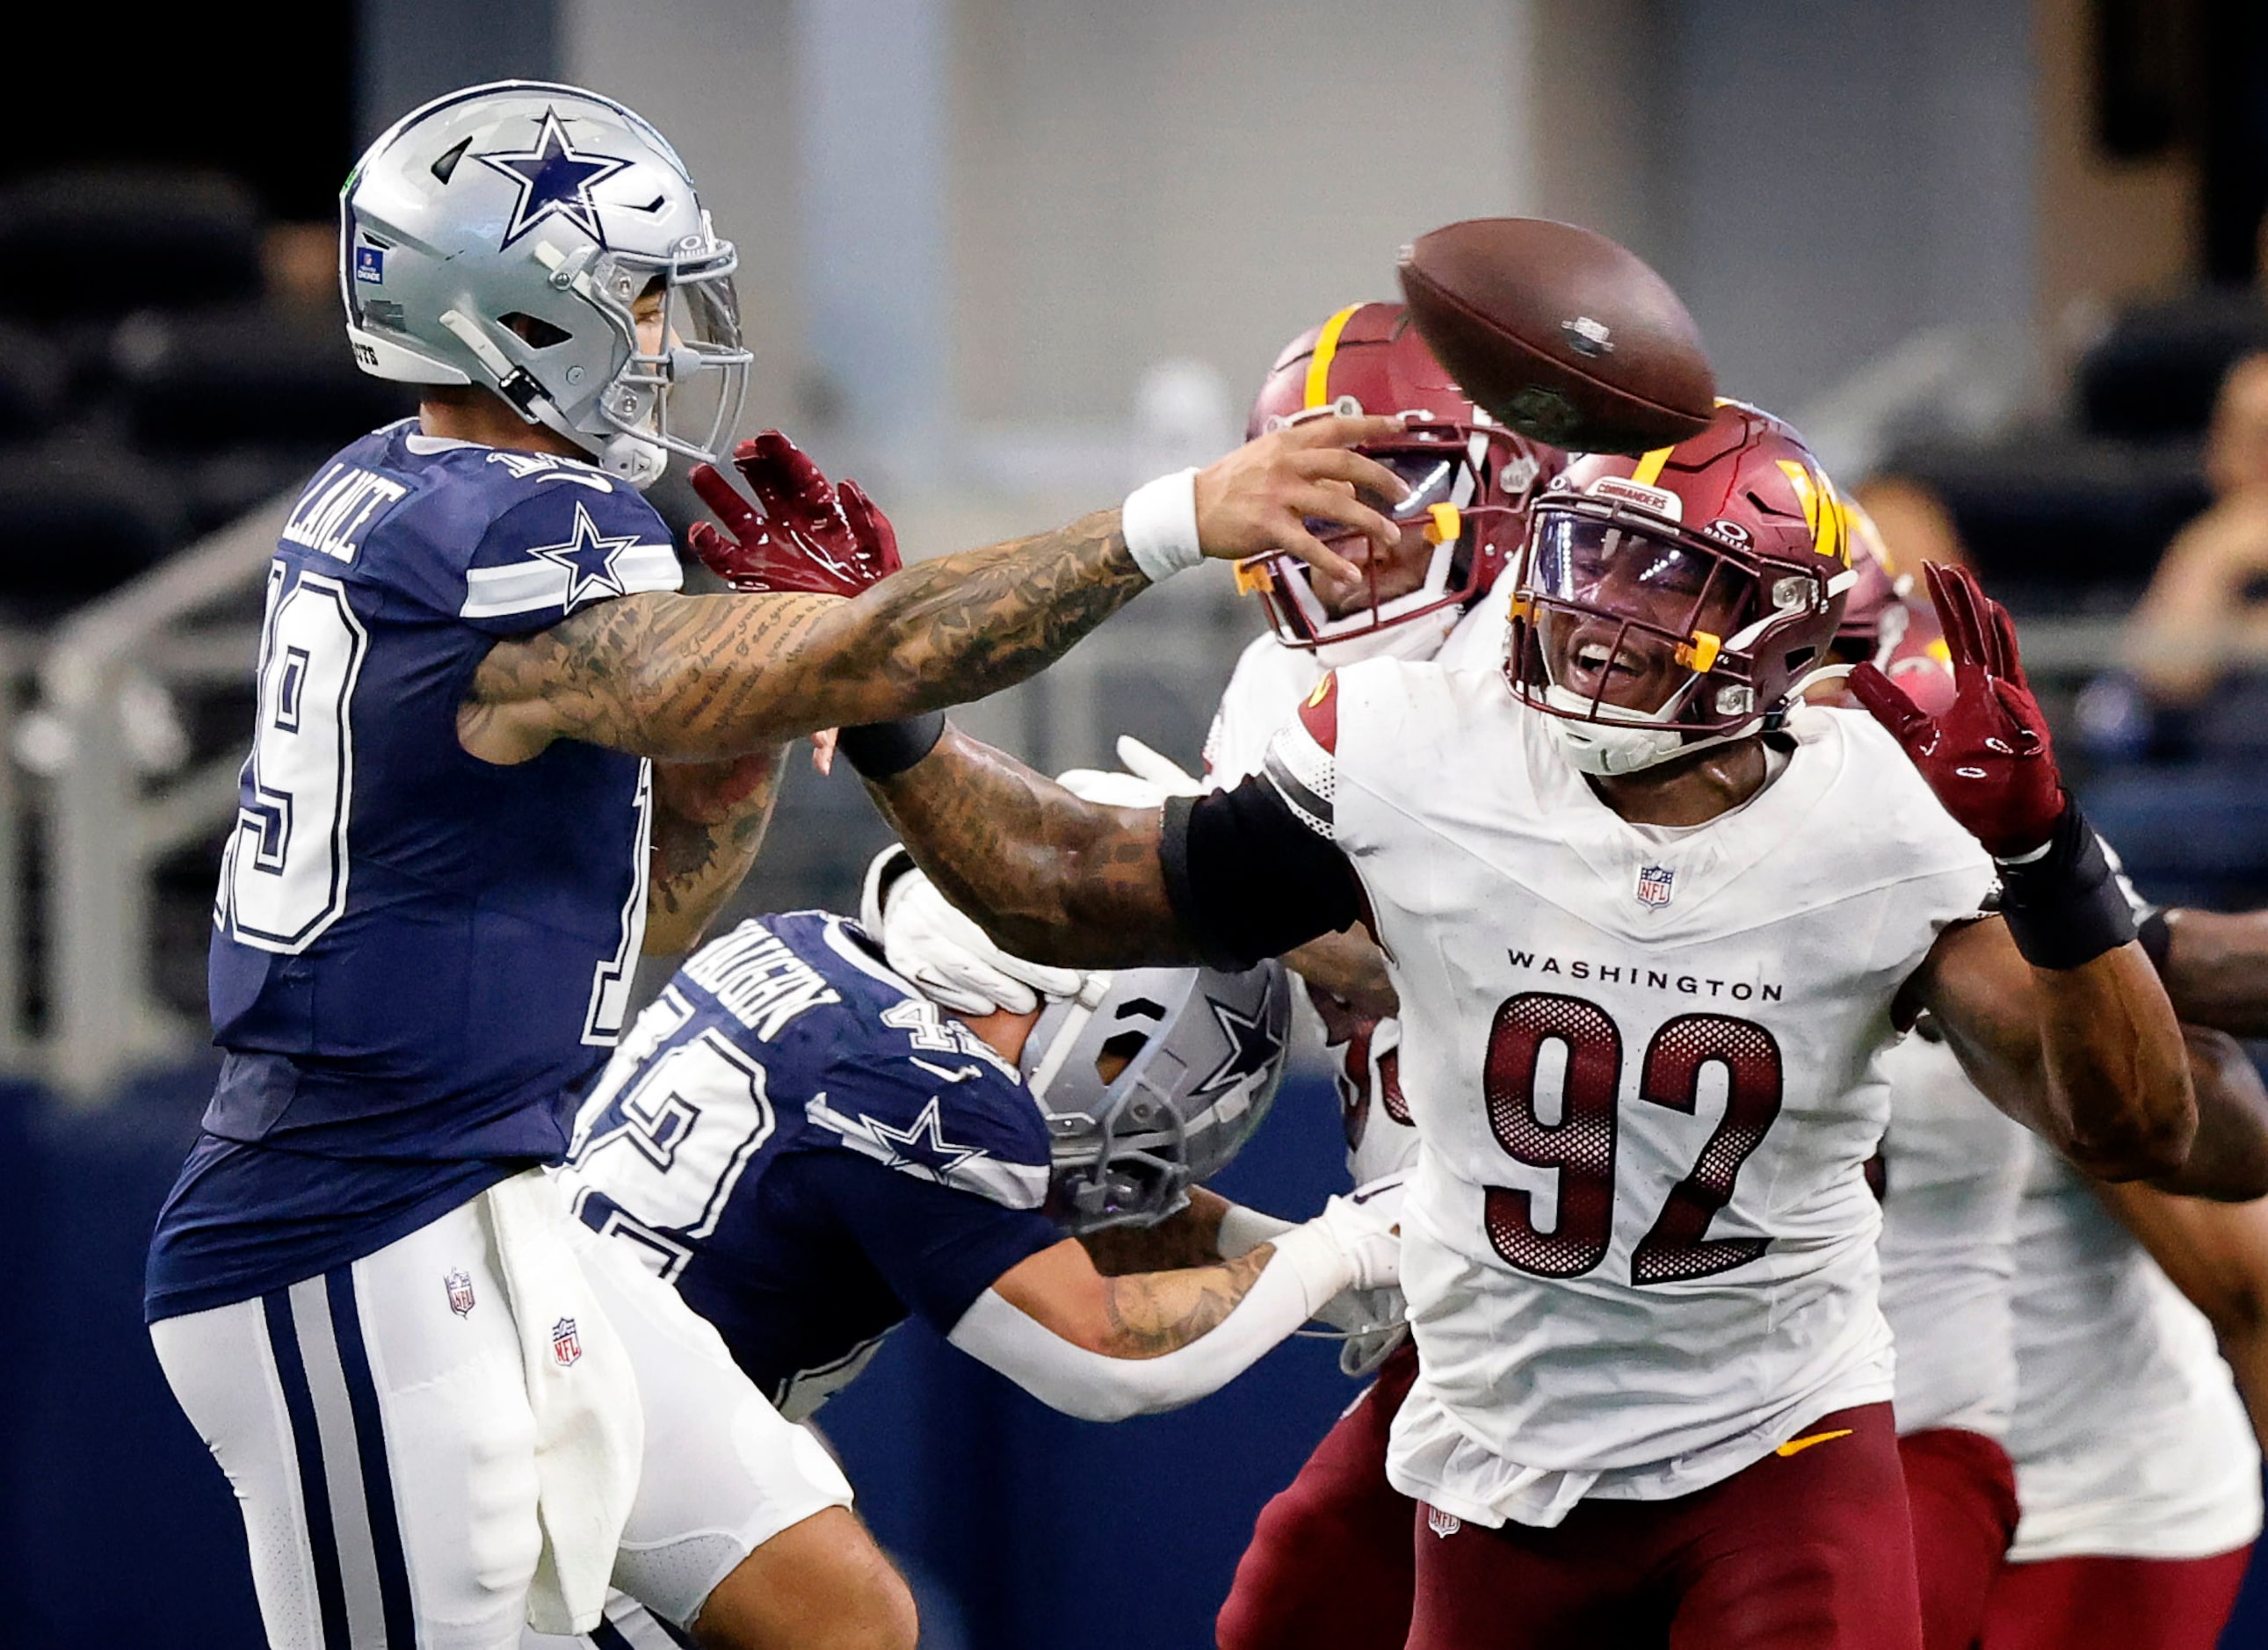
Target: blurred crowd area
2129	535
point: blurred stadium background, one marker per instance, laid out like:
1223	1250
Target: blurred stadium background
1001	259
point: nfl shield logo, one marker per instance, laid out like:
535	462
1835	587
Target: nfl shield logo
566	1345
461	1293
1443	1524
1654	885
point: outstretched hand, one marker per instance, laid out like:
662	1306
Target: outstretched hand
1275	491
804	534
1986	755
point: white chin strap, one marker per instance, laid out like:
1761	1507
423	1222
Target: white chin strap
1631	742
1415	640
640	463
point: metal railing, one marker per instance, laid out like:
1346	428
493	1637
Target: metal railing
109	821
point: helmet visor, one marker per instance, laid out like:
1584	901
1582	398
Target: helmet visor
1430	567
1626	617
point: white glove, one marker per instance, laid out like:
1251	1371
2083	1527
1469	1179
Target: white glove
1375	1322
947	956
1163	771
1147	780
1353	1244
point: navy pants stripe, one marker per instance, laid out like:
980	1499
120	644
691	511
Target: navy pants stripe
356	1460
369	1446
315	1486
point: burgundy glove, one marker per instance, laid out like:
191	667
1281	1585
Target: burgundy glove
1986	754
805	535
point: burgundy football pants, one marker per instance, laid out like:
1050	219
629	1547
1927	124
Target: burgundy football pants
1330	1566
1800	1551
2091	1603
1961	1488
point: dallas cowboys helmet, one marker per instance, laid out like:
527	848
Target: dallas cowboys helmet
500	235
1151	1079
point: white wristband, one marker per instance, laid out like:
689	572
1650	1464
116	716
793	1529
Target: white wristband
1316	1260
1160	520
1243	1230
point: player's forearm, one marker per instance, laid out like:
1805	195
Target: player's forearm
2112	1063
1147	1314
2228	1160
1351	967
701	678
709	822
1052	878
2216	969
1174	1350
958	628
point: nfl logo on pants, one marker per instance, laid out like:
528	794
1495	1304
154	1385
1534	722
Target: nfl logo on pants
566	1345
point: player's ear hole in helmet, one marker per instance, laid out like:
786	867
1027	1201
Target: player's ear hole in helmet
1677	600
1470	481
545	244
1151	1080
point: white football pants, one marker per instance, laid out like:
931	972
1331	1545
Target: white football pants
374	1423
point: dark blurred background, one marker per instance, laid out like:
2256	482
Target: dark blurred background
2002	259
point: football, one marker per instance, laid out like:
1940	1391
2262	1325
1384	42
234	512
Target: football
1563	334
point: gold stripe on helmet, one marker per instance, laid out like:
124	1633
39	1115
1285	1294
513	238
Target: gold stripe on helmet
1319	364
1649	465
1822	510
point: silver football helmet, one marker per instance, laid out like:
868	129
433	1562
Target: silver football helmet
500	236
1151	1080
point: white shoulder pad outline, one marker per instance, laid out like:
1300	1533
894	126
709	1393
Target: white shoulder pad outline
968	1169
1305	775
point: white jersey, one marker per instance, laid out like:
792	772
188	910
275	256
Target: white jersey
1644	1064
1953	1172
1261	696
2129	1438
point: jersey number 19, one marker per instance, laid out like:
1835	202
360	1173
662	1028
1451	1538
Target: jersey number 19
283	877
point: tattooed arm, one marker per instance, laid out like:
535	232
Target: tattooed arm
1052	878
696	678
1138	1314
1105	1348
708	821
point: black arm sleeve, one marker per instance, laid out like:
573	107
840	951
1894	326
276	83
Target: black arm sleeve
1249	879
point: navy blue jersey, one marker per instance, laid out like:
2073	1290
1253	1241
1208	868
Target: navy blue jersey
419	958
810	1151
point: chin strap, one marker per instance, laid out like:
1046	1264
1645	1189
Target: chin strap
1609	748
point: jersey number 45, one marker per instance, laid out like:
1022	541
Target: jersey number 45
1581	1145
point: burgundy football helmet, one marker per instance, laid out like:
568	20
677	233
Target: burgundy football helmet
1470	479
1678	598
1884	620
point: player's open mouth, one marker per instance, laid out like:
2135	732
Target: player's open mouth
1594	666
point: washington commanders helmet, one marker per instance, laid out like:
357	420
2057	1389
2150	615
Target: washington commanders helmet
1469	477
1677	599
502	235
1884	620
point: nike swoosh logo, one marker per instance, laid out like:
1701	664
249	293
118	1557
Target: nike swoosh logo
1797	1446
951	1074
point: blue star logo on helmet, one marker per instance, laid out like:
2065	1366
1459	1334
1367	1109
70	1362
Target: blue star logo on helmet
554	181
589	558
1252	1045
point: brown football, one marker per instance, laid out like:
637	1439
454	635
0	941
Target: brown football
1562	333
